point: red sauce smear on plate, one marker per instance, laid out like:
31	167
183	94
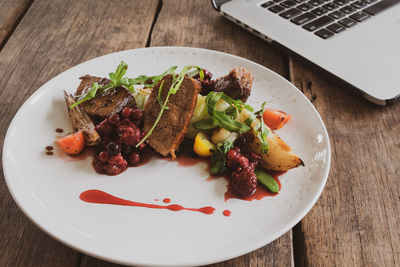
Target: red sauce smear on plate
100	197
59	130
227	213
166	200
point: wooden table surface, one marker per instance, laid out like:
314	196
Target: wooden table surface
356	221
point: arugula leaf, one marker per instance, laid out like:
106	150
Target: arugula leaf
90	94
206	124
218	158
222	118
263	133
117	79
151	81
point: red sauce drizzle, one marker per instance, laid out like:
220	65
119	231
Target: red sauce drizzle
166	200
100	197
49	153
59	130
227	213
49	148
156	199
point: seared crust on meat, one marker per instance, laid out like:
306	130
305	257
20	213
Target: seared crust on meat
237	84
81	122
112	101
171	129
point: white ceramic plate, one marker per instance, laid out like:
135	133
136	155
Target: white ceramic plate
47	188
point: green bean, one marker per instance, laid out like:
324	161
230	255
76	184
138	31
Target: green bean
267	180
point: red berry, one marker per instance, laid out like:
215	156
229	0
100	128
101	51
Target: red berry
137	115
243	161
244	183
116	160
114	119
103	156
231	154
142	146
113	148
111	169
126	113
134	158
104	128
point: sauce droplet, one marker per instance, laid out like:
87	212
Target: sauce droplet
156	199
49	153
227	213
166	200
49	148
100	197
59	130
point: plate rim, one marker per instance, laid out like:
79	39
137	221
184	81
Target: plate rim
214	259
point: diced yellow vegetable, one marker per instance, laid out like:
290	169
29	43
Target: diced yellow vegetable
203	146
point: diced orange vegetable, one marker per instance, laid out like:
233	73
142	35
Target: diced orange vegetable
275	119
72	144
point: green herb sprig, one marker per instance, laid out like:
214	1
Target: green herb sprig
225	119
118	79
263	132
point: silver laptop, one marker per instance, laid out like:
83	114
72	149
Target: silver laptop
356	41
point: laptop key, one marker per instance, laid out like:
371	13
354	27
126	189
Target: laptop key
348	9
316	2
268	4
331	6
347	22
303	18
288	14
324	33
337	14
276	9
305	7
380	6
360	16
319	11
288	3
359	4
341	2
318	23
370	1
336	28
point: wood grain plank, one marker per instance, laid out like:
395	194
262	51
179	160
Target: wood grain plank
10	14
54	36
195	24
356	221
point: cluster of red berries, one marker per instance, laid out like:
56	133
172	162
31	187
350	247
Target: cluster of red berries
242	162
206	83
120	133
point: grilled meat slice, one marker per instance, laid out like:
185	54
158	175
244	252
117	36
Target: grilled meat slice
81	122
170	130
237	84
112	101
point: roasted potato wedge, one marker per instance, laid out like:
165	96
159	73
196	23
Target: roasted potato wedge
279	156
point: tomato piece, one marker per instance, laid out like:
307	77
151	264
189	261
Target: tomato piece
72	144
275	119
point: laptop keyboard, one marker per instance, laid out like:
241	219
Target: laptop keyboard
327	17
